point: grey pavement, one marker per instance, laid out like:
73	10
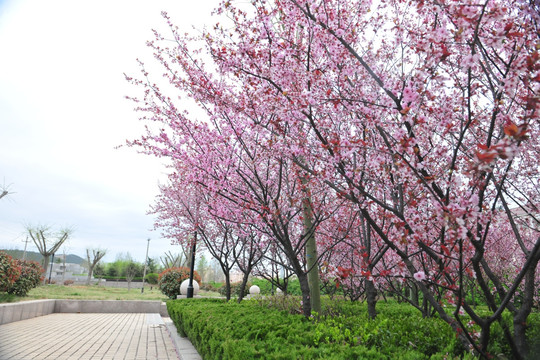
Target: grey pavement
128	336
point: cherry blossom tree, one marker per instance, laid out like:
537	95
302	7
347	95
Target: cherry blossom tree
421	114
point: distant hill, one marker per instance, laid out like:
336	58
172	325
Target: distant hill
35	256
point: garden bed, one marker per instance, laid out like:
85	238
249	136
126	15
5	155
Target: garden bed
250	330
257	329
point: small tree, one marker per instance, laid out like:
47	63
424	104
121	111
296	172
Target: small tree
131	270
202	267
97	255
41	236
152	265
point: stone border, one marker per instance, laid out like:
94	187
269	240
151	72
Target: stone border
10	312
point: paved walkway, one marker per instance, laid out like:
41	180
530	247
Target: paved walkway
94	336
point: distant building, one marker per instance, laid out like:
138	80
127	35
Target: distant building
67	271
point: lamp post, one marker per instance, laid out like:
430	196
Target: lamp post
145	264
192	268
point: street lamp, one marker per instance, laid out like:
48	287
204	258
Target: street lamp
192	268
145	264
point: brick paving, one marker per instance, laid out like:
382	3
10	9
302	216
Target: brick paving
89	336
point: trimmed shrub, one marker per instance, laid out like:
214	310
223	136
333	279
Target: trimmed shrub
256	329
152	278
228	330
171	278
68	282
31	276
9	271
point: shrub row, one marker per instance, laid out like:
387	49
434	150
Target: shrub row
227	330
119	278
18	277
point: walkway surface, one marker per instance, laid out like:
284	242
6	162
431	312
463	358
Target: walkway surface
94	336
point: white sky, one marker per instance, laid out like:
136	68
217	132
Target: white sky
62	112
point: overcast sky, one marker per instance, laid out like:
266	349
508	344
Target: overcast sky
63	112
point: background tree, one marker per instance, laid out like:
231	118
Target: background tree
132	269
93	260
152	265
41	235
99	269
202	268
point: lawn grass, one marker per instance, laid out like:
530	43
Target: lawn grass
92	292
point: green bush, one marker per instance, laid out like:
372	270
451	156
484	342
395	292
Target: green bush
119	278
10	271
170	280
227	330
152	278
264	285
31	276
293	287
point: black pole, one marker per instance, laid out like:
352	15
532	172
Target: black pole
192	268
50	271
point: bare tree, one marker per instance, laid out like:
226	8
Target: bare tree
97	255
41	236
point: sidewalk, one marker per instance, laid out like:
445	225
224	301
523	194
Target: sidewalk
112	336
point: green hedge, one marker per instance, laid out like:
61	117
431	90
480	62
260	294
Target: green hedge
227	330
119	278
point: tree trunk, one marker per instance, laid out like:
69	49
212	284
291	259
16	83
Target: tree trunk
244	284
90	269
414	295
304	287
371	294
520	317
227	285
312	257
46	267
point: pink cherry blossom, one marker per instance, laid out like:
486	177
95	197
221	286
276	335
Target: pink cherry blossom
419	276
422	158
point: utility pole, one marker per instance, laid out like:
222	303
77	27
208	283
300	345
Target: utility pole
145	264
25	245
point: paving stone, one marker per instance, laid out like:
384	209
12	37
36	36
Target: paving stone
129	336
